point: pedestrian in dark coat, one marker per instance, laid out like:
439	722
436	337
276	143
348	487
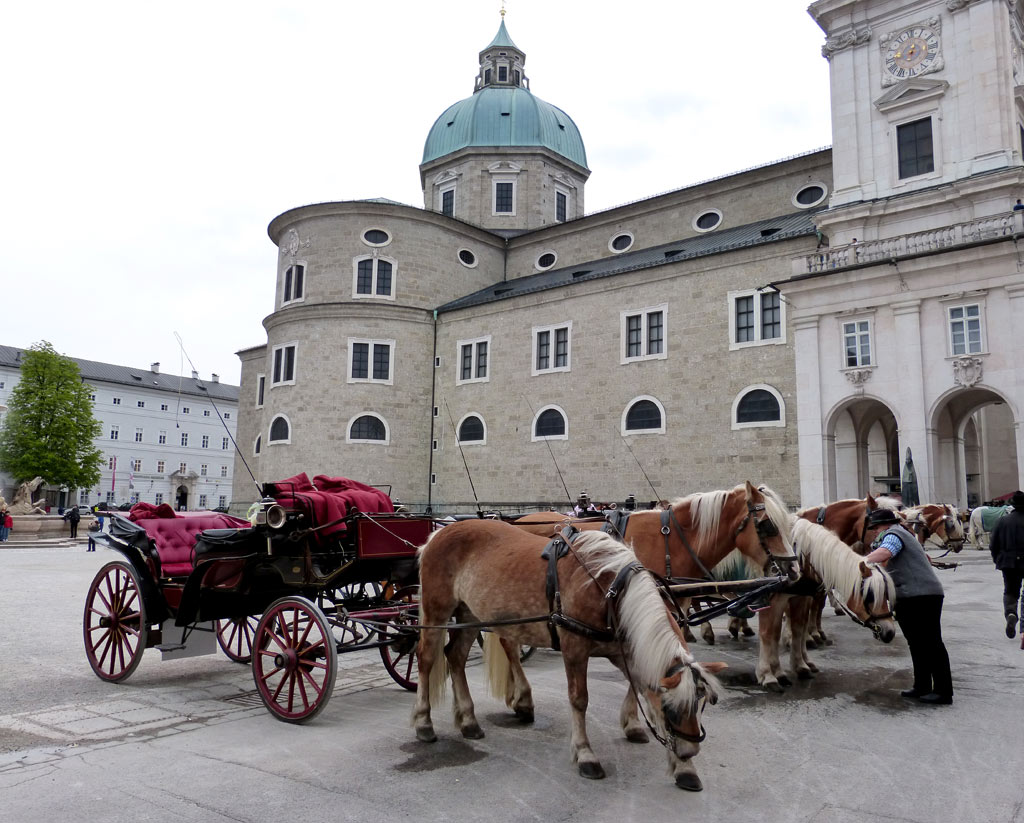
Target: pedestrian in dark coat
73	516
1007	547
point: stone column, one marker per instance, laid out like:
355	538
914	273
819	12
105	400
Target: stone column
911	404
1016	295
810	426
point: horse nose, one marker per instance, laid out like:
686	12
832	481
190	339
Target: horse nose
793	572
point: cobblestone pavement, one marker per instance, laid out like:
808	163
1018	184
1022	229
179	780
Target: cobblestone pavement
188	740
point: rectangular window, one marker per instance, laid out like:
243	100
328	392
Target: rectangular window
448	202
502	74
92	397
504	198
185	410
114	431
136	465
163	407
206	412
551	348
162	438
370	361
117	401
158	498
261	385
224	442
561	203
294	277
914	148
473	356
284	365
184	438
202	501
206	441
202	469
141	404
222	502
644	334
138	435
223	471
374	277
227	415
110	497
183	468
965	329
83	495
756	317
111	463
160	466
857	343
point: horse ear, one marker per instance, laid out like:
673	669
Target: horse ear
872	504
751	491
865	571
715	666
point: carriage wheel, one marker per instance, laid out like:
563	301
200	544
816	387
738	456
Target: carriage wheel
114	625
295	661
235	636
400	656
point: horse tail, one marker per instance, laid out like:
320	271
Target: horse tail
437	685
497	668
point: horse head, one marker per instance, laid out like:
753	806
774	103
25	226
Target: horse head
678	703
939	521
871	603
765	532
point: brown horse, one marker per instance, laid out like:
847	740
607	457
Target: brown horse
936	523
866	590
489	571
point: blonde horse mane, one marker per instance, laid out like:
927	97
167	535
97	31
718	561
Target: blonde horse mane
838	565
706	512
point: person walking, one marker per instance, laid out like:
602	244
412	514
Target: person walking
1007	547
6	521
918	606
73	516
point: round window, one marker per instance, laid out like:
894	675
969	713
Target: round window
708	220
546	260
810	195
621	242
467	258
376	237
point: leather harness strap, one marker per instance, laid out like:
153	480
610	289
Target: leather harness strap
668	516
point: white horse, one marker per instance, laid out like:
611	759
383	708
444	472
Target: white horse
981	517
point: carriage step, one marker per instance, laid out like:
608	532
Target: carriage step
170	647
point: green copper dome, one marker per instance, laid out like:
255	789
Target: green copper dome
504	117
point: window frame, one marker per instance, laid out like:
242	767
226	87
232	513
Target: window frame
257	446
295	363
387	429
374	273
758	424
551	329
645	313
495	182
284	441
475	359
616	236
701	213
446	188
982	336
352	342
625	414
535	438
843	323
563	197
261	390
758	340
458	427
288	286
897	166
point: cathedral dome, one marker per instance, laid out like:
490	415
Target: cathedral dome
503	113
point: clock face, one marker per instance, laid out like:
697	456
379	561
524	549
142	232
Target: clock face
911	52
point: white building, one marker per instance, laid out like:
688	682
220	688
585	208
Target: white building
165	438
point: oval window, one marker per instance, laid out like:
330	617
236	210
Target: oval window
546	260
467	258
376	237
621	242
708	220
810	195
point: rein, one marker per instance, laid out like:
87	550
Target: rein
870	623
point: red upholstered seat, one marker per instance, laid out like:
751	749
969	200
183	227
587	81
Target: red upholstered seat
328	499
174	534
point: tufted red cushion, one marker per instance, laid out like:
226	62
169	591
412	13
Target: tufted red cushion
175	536
327	499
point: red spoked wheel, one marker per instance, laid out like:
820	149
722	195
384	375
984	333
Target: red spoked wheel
114	625
400	656
235	637
295	660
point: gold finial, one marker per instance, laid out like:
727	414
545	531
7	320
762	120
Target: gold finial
502	9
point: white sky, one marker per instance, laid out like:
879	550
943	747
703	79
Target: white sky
147	145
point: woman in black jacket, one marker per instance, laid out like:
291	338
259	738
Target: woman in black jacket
1007	547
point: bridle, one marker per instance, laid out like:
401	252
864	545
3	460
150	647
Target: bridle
873	619
766	529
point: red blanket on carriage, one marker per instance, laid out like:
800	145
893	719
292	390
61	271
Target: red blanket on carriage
329	499
174	533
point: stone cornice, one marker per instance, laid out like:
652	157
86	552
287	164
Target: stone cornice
842	40
347	311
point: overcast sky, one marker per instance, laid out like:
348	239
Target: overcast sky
147	145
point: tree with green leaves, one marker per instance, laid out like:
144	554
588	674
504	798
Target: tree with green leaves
49	429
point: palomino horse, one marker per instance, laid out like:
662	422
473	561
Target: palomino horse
866	590
935	523
489	571
983	520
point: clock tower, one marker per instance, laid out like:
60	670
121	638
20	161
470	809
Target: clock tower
927	113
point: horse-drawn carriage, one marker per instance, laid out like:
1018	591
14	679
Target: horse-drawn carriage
326	567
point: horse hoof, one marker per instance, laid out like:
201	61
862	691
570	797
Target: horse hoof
592	771
811	643
812	668
637	736
784	680
524	715
774	686
748	632
710	640
472	732
805	674
426	735
689	782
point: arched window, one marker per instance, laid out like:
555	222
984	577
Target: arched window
471	429
644	415
259	444
280	430
367	428
759	405
550	424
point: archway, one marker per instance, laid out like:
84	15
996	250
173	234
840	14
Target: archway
181	499
975	446
863	451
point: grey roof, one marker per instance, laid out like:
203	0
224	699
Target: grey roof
140	378
760	233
